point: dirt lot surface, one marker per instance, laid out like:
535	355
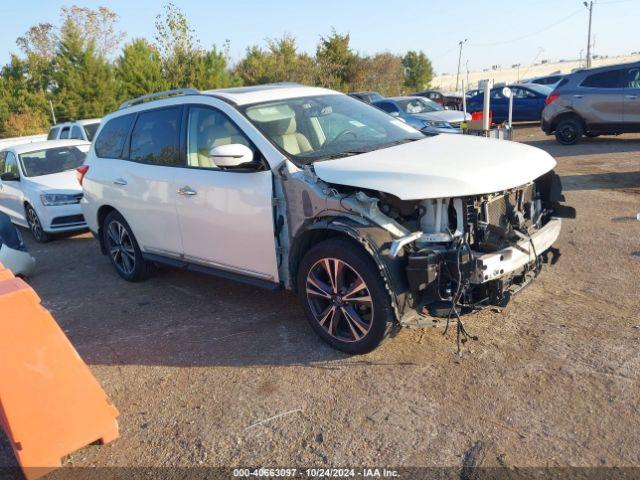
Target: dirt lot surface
209	372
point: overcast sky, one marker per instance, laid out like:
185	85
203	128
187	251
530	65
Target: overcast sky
500	33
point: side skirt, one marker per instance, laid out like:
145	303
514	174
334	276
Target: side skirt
217	272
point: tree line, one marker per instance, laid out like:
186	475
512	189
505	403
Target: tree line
80	68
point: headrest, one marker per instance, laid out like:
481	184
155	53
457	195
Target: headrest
282	126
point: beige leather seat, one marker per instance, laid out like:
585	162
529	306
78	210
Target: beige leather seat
283	132
214	136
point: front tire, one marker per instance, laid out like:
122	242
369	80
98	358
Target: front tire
35	226
344	296
569	131
123	249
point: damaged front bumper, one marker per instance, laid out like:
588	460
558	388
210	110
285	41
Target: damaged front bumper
495	265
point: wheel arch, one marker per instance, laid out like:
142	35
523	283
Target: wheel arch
101	214
569	114
374	240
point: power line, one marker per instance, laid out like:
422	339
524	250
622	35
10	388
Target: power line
562	20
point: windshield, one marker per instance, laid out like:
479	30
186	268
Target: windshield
90	130
418	105
328	126
52	160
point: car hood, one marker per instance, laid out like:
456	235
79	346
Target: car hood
440	167
451	116
63	182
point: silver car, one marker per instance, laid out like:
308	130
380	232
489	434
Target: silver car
598	101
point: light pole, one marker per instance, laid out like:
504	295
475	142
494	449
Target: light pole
462	42
589	6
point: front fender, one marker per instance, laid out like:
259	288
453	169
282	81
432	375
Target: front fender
375	240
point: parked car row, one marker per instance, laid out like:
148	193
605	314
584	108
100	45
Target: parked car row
428	116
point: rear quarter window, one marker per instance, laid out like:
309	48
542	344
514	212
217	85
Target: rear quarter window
608	79
113	136
53	134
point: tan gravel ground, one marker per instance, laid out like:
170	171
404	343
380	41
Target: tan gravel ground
193	362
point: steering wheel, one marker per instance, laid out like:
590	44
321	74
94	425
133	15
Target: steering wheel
342	134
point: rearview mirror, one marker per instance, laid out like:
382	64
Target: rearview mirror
232	155
10	177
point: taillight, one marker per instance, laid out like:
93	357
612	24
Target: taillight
552	98
81	171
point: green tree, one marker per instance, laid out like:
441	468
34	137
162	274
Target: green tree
281	62
84	81
139	70
418	71
23	110
184	62
336	61
381	72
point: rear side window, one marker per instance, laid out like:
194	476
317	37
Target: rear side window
156	137
632	78
388	107
53	134
608	79
113	136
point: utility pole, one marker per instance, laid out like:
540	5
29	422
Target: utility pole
462	42
53	115
590	7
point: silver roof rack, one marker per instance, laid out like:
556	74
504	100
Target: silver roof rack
155	96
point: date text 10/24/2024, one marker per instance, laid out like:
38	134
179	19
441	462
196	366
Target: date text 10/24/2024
315	473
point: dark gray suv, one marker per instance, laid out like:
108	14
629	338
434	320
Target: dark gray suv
598	101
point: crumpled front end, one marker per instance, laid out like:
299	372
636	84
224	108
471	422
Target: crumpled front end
477	251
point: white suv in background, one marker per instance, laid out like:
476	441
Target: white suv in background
372	223
78	130
39	187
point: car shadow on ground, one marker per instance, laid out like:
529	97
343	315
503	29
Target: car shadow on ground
596	181
174	318
588	146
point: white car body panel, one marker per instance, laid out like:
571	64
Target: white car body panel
229	223
10	142
451	116
19	262
442	166
147	201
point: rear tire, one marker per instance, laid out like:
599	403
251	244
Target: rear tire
123	250
344	296
569	131
35	226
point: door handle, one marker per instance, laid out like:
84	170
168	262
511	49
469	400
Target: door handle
631	97
120	181
578	96
187	191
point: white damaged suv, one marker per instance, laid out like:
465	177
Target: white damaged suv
373	224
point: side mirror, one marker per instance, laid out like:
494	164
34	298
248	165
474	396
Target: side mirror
232	155
10	177
394	114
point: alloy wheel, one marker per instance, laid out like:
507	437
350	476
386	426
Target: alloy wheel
34	224
569	133
121	247
339	299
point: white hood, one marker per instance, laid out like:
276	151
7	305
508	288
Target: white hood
63	182
451	116
440	167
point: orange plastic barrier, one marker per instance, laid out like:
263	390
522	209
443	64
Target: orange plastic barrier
50	403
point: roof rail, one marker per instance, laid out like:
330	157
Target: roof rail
156	96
